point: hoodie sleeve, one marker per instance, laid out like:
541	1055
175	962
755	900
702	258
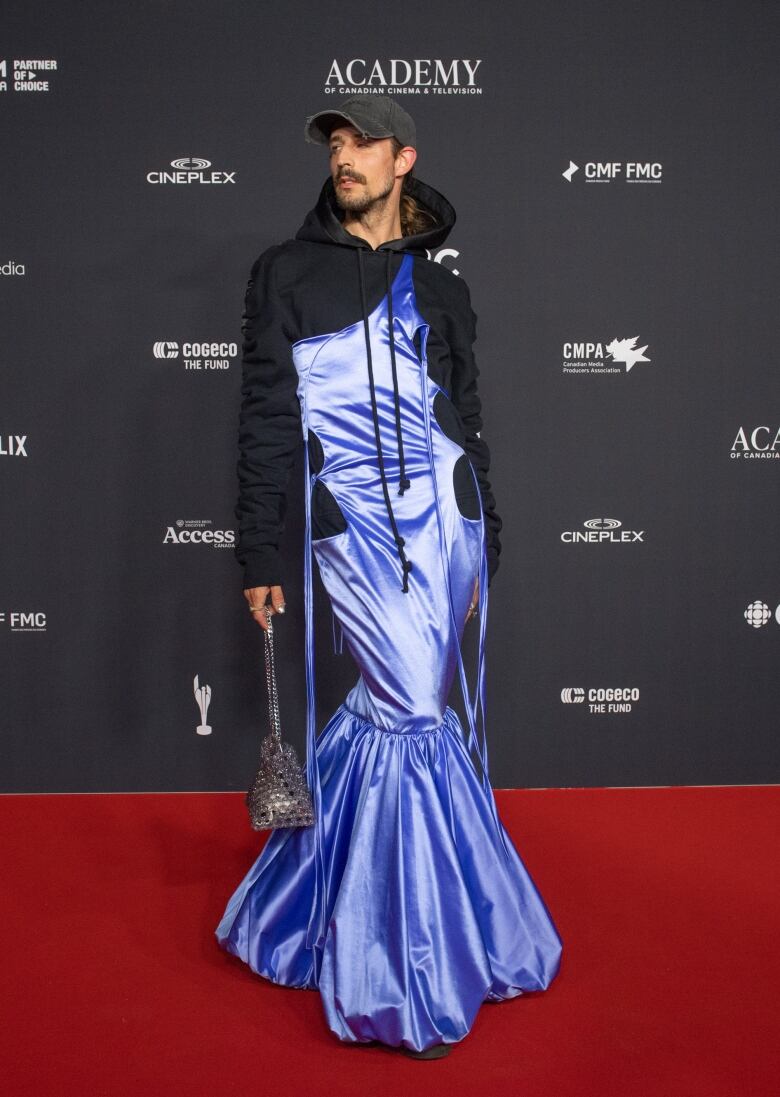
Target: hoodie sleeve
465	396
269	425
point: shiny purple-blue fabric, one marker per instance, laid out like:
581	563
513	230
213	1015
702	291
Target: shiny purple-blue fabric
428	917
407	904
404	643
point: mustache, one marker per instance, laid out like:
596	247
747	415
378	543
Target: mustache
349	175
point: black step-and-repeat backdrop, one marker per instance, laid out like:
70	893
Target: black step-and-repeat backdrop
614	170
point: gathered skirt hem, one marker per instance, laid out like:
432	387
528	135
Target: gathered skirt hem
428	912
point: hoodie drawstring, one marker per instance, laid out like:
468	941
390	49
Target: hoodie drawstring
404	482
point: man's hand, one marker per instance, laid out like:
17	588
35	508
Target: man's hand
257	596
474	603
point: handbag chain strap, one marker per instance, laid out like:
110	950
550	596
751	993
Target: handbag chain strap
270	676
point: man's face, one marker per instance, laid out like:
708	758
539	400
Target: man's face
362	168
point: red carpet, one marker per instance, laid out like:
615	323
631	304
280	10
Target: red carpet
666	900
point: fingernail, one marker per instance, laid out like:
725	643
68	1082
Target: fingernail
281	609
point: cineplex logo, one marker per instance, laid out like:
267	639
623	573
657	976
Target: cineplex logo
189	170
616	356
630	171
599	530
602	698
11	268
195	356
27	75
421	76
13	445
759	614
24	621
761	442
198	531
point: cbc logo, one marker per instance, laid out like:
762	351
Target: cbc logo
759	614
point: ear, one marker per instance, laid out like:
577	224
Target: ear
405	159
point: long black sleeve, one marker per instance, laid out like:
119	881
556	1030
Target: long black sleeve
465	396
269	425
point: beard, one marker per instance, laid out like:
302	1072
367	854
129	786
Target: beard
365	200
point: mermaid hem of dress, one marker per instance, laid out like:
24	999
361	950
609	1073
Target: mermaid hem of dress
428	912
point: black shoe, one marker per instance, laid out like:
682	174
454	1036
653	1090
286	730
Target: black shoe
436	1051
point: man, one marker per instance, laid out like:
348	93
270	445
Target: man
407	904
372	183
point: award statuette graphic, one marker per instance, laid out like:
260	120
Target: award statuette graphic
203	698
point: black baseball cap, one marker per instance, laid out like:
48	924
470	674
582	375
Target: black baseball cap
374	116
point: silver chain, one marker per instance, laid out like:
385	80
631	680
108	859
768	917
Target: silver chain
270	676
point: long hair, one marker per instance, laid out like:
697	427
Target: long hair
414	217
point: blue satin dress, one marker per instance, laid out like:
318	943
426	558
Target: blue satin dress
406	904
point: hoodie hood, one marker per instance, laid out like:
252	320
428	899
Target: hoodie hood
323	224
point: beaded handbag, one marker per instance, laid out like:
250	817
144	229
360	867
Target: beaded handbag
279	795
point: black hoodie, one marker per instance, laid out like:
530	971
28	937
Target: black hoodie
318	283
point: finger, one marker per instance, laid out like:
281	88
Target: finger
256	596
256	600
277	600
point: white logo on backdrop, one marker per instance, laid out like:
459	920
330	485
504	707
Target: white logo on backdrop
190	169
601	699
592	357
761	443
26	75
198	531
203	700
442	254
11	268
632	171
197	356
599	530
421	76
573	695
166	350
625	351
21	621
759	614
13	445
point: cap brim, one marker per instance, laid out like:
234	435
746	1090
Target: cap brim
318	131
